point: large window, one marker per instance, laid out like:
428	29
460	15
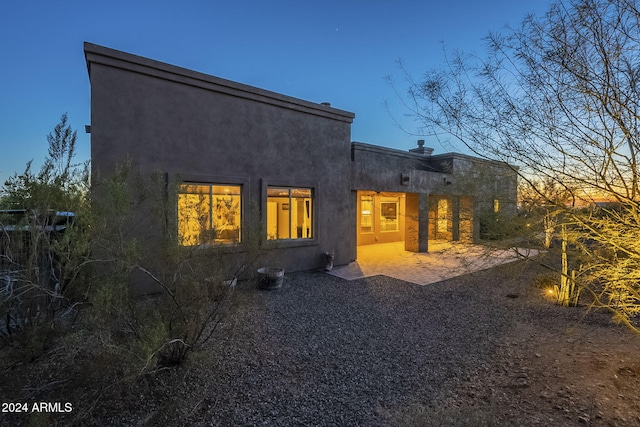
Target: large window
209	214
366	214
442	224
389	213
289	213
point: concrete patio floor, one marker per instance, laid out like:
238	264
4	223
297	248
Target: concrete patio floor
443	261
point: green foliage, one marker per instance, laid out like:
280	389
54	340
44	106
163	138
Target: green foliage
610	250
497	226
44	250
59	185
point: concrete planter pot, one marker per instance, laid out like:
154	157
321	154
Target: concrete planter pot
270	277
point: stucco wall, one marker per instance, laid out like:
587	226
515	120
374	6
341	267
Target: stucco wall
457	177
382	169
196	127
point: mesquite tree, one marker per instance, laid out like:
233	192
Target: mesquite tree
558	96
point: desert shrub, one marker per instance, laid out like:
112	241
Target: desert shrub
44	241
546	280
496	226
188	291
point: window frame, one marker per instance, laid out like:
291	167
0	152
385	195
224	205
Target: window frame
290	242
396	202
371	214
213	180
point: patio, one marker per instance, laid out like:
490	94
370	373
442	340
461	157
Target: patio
443	261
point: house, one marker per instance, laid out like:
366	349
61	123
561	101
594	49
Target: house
244	158
417	197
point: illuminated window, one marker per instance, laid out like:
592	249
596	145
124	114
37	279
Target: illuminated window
208	214
366	214
389	214
442	223
496	205
289	213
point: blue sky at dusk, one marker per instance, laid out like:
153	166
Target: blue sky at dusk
330	50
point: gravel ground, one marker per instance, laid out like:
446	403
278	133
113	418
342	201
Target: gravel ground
324	351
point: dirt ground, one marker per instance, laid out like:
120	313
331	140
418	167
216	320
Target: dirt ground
547	373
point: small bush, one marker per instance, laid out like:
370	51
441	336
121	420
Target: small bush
496	226
546	280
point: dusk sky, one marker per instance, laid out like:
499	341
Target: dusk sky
336	51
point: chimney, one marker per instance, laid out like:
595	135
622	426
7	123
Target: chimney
425	151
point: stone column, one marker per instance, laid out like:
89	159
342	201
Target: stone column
455	218
416	222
